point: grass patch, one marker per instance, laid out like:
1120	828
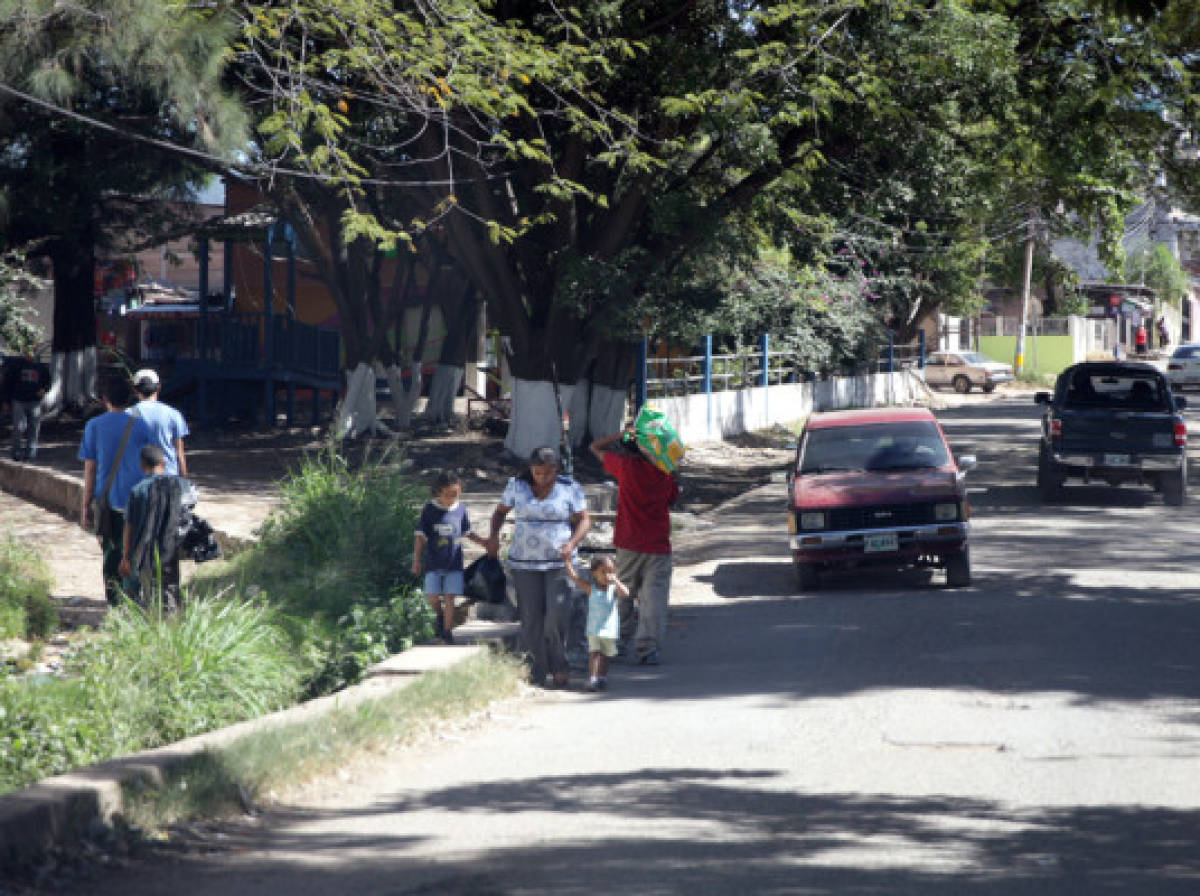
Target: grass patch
142	682
1039	380
26	610
227	780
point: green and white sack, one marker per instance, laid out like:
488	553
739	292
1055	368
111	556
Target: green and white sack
658	439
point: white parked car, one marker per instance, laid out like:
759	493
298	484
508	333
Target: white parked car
963	370
1183	370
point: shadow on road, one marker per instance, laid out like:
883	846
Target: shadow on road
743	836
1034	633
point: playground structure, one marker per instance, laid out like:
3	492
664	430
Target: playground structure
228	362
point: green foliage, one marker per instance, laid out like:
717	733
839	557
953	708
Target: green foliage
17	330
1154	265
369	634
216	662
331	595
47	728
145	681
26	610
335	559
341	537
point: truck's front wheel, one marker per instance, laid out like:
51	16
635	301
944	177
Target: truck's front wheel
958	568
807	577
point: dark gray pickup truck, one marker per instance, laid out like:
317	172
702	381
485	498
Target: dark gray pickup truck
1113	422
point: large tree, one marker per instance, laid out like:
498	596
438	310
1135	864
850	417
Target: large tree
100	103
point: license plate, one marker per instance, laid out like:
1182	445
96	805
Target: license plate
881	541
1116	460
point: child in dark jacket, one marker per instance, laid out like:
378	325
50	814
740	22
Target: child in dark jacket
150	553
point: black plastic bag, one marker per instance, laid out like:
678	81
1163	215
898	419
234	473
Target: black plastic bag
485	580
197	538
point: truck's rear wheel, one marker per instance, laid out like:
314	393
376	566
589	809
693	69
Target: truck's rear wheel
1174	487
1049	478
961	384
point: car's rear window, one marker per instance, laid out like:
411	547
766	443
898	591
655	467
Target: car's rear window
1186	351
902	445
1125	391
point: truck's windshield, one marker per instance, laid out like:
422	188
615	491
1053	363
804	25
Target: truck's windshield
902	445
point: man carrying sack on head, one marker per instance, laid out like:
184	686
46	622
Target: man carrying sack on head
643	459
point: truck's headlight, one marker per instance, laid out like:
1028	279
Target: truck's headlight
945	512
812	520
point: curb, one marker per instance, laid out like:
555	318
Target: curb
45	487
64	810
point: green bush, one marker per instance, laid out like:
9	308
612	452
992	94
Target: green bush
341	537
369	634
145	681
26	610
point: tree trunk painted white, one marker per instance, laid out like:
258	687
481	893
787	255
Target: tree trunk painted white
447	378
356	413
595	411
535	420
606	411
72	380
404	400
578	413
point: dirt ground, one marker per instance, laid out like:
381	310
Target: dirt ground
233	462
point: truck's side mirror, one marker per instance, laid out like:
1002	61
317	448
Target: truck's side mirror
1041	397
967	462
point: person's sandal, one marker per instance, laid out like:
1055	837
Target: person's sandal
561	679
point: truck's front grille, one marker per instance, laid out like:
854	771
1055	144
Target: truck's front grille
881	516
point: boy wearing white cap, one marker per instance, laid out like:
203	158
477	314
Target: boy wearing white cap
168	424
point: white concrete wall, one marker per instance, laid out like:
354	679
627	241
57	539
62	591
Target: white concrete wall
705	418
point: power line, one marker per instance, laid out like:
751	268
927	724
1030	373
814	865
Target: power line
253	170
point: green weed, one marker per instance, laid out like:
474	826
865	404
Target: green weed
143	681
26	610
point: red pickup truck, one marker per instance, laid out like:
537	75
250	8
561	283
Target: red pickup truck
878	487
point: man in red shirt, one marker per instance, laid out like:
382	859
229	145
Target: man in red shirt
642	537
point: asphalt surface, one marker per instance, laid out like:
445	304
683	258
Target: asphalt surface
1037	732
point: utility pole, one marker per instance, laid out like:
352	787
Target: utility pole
1019	363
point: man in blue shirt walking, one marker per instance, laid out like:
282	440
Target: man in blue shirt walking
103	457
168	424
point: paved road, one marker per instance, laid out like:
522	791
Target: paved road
1035	733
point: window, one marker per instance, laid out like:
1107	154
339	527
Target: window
902	445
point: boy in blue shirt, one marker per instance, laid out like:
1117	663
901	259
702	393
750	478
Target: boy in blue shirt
437	549
111	455
168	424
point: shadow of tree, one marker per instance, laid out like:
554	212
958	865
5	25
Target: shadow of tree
717	831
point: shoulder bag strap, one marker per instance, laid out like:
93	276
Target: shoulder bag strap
112	472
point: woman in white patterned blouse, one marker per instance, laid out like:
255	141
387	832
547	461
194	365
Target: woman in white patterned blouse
551	519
